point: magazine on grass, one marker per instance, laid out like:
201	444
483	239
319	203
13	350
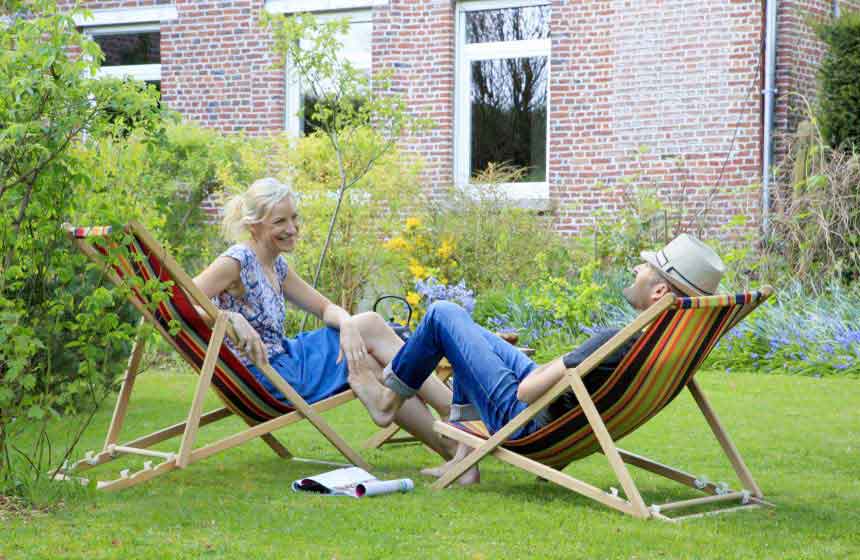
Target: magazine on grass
351	481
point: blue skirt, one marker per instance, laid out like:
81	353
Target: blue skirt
309	365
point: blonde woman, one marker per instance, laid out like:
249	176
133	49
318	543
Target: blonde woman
252	281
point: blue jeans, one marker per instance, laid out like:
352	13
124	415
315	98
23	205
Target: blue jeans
487	370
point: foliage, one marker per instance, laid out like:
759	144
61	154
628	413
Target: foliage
355	266
551	315
477	236
816	215
347	104
798	334
839	91
91	152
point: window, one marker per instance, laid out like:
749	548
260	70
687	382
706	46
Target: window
130	38
132	51
356	48
502	96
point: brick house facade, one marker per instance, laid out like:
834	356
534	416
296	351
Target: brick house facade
682	78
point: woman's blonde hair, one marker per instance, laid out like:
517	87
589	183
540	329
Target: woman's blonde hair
252	206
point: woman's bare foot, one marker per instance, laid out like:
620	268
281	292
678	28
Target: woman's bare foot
381	402
471	476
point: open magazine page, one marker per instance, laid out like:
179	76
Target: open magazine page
351	481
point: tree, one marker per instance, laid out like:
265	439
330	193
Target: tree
359	115
61	331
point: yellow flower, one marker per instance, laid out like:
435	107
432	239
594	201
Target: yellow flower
446	249
417	270
397	244
413	223
413	298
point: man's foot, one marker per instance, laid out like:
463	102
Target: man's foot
381	402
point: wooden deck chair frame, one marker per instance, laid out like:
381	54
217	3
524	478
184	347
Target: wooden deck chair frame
187	454
751	495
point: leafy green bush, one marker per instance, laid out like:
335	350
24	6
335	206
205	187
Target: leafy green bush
551	315
839	89
87	151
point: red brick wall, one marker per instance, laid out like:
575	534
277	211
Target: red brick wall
676	79
215	64
415	39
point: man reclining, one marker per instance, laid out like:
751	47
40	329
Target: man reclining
493	381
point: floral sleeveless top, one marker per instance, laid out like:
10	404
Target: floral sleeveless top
262	304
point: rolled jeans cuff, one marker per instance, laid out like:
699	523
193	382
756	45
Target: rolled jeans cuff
396	384
464	413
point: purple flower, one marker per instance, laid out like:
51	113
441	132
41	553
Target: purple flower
433	291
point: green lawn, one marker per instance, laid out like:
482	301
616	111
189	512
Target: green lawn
799	436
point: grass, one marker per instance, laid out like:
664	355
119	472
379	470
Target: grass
798	435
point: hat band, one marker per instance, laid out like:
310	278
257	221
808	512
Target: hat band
672	269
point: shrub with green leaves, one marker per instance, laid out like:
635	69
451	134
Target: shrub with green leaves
355	264
73	148
551	315
839	88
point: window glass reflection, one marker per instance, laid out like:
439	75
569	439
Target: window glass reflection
509	115
130	48
507	24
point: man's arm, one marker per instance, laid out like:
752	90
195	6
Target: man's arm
540	380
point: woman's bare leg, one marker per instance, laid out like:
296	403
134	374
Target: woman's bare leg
412	415
383	344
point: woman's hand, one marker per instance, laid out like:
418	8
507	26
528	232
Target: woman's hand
249	341
351	344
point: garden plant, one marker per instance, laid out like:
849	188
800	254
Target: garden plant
76	149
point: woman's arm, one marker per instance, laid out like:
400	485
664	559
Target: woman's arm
216	278
540	380
308	299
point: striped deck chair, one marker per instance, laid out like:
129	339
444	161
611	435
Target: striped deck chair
139	255
677	334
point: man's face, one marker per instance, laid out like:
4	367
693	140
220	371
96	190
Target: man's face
647	287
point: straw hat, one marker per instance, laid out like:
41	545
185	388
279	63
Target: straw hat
688	264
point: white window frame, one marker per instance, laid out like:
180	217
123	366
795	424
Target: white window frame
465	55
296	6
120	21
126	16
293	93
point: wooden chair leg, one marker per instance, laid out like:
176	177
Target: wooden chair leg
722	436
209	362
276	446
378	439
314	418
608	446
125	391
